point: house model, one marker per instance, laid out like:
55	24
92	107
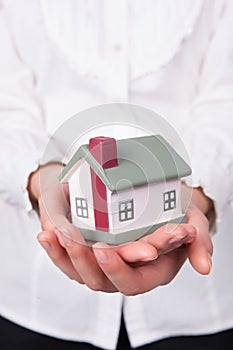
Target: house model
121	190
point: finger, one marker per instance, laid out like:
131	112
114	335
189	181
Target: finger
53	204
201	249
136	280
124	278
137	251
167	266
171	236
163	270
163	240
84	262
58	255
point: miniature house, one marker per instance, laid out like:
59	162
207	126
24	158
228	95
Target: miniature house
121	190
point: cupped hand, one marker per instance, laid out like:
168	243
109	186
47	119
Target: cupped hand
132	279
132	268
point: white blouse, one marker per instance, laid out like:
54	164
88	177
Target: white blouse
60	57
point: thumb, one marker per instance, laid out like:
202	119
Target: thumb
201	249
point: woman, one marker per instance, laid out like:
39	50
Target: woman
58	59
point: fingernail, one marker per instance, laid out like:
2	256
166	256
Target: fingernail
191	230
146	255
176	239
46	245
209	261
101	254
63	237
57	232
66	240
63	230
149	259
181	240
101	245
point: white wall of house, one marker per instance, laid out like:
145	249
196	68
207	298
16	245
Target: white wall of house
148	206
80	186
148	202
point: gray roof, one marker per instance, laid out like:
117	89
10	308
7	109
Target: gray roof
141	160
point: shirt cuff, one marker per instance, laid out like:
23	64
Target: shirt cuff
14	184
211	170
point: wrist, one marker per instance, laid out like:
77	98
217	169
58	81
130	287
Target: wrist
33	187
43	178
197	198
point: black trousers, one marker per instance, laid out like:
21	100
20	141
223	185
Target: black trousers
14	337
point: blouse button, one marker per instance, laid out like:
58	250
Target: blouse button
117	47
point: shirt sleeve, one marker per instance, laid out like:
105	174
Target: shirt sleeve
209	138
22	135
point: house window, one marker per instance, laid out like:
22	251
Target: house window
169	200
126	210
81	207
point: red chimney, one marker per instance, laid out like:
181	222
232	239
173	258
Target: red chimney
104	150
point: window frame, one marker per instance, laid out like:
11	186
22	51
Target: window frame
168	201
126	210
81	207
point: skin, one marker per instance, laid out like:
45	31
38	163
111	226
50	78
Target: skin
132	268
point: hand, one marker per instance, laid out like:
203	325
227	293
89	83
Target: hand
199	207
136	279
78	261
131	269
